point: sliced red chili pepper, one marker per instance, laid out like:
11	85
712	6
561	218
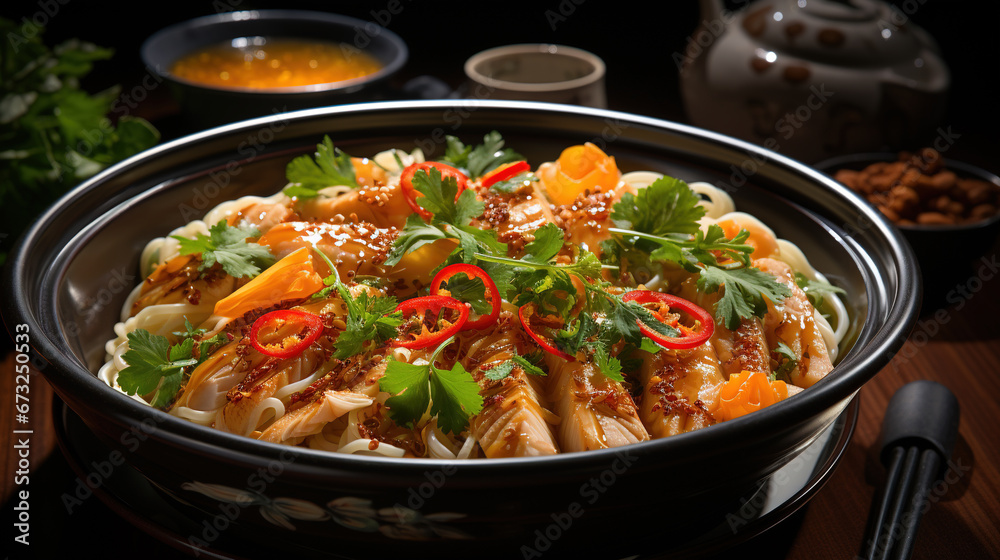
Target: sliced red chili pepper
472	271
428	309
293	330
538	338
504	172
411	193
691	337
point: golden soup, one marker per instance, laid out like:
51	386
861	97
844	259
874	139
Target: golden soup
264	63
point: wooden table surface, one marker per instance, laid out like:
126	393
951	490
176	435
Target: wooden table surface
956	343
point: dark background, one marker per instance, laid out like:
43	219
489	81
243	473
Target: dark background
636	44
635	39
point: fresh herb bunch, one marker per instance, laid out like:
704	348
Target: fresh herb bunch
53	134
660	226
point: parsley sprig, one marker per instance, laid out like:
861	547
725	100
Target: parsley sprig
370	322
595	325
451	220
155	366
228	246
660	224
452	395
477	160
329	166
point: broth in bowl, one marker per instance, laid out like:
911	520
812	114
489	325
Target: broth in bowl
267	63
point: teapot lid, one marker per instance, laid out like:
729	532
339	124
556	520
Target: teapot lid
855	33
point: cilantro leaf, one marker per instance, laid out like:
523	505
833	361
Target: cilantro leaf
327	167
452	394
609	365
370	321
504	369
441	198
817	290
408	383
227	246
155	365
471	290
787	361
666	206
415	234
546	245
450	220
482	158
454	398
743	294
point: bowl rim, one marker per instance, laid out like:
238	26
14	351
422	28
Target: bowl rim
161	67
472	72
901	311
831	165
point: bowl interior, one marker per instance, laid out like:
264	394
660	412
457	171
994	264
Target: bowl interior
163	48
69	283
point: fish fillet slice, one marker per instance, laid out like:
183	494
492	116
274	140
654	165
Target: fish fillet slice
793	323
680	387
595	412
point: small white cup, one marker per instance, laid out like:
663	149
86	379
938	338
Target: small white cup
537	72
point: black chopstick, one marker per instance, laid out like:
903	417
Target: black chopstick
918	434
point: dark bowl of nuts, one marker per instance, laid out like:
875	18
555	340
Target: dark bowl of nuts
948	211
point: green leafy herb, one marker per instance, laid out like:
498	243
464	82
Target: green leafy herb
53	134
470	290
155	365
609	365
660	225
451	220
817	290
228	246
482	158
452	395
744	293
504	369
371	321
327	167
787	361
514	184
667	206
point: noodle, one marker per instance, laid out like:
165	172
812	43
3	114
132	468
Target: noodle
314	399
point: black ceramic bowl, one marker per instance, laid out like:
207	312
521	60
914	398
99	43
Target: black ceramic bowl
948	255
69	275
207	105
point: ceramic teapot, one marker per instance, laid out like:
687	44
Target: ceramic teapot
812	79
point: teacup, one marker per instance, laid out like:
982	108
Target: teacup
537	72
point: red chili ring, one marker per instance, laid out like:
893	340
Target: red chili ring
433	304
472	271
410	193
312	324
504	172
539	339
695	338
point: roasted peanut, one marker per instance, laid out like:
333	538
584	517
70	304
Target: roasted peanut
934	219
